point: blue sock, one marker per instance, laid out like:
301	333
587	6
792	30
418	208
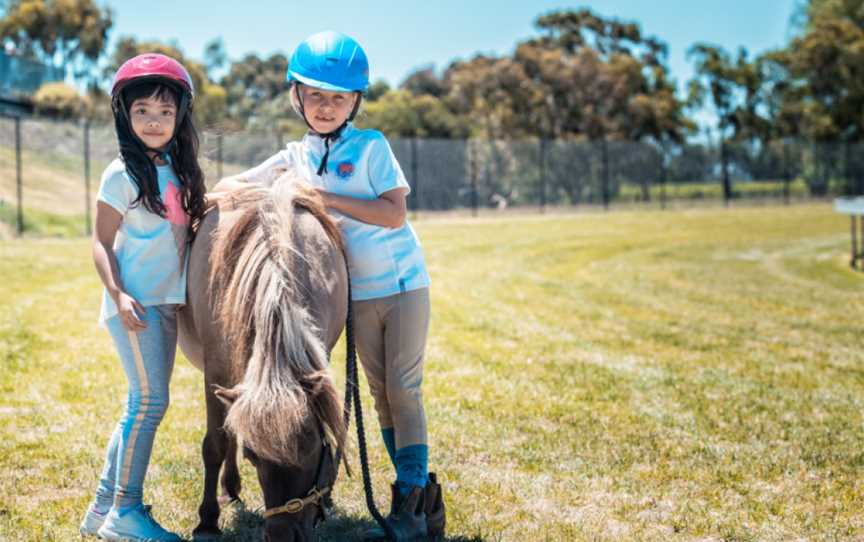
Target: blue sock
389	436
412	467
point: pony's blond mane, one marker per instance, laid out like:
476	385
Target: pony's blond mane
278	358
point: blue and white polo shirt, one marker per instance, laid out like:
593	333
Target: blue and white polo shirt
383	261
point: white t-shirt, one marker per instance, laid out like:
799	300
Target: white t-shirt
150	250
382	261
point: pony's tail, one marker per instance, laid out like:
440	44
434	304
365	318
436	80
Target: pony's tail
271	333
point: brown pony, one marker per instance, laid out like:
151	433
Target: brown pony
267	300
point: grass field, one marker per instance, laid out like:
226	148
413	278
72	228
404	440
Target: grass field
688	192
679	375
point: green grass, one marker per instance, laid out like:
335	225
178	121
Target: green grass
679	375
38	223
714	191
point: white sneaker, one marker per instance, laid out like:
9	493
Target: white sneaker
134	525
91	522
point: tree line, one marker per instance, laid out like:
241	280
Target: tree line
583	77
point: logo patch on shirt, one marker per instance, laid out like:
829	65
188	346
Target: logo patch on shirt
345	170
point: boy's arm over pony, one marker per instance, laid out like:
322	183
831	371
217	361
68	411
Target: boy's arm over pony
388	210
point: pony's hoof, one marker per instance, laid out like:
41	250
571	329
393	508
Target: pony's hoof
226	500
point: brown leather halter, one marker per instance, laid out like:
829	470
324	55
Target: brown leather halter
295	506
321	488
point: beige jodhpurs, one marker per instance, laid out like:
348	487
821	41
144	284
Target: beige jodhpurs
391	336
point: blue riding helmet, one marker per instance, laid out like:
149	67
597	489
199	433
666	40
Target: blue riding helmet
330	61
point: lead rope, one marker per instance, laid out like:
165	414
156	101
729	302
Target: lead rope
352	392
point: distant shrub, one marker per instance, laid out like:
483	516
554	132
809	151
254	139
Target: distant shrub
59	100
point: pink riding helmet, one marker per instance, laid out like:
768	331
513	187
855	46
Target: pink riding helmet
152	65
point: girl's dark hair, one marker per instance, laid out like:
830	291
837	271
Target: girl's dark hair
183	151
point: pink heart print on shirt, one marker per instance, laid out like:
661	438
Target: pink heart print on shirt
177	217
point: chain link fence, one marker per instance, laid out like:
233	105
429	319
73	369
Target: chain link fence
21	76
49	172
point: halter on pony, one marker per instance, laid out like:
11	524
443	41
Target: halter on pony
320	488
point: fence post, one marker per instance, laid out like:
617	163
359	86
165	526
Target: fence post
605	179
861	226
542	175
219	156
88	227
724	165
787	174
473	179
20	221
415	193
663	179
854	258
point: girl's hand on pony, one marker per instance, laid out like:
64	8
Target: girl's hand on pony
129	310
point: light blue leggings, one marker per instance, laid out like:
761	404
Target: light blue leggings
148	359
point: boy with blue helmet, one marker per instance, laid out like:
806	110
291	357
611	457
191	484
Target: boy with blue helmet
360	179
329	62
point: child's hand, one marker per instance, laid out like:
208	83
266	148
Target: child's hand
323	194
129	311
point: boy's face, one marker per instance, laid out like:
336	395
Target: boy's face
153	121
326	110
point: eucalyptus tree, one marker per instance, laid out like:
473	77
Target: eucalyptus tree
65	34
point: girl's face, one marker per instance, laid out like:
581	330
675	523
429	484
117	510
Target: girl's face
326	110
153	120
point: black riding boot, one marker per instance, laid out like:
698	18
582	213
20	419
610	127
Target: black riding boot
407	517
436	518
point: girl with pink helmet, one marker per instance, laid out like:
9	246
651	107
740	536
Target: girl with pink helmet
149	198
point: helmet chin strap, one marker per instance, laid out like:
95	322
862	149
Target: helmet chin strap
328	137
164	153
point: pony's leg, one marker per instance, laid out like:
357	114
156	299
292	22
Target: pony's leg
230	474
213	449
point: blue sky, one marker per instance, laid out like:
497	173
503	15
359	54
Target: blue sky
400	36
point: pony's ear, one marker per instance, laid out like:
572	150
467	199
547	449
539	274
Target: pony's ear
226	395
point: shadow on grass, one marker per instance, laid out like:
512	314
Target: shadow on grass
247	526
